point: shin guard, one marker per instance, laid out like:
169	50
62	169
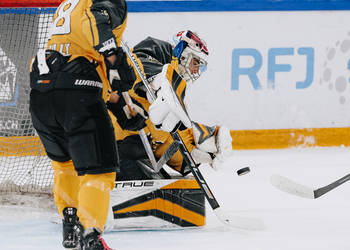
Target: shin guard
94	198
66	185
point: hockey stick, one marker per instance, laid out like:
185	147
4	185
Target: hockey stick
142	133
237	222
171	150
289	186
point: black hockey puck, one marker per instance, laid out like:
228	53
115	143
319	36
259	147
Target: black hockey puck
243	171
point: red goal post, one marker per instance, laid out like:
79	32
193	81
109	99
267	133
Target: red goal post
29	3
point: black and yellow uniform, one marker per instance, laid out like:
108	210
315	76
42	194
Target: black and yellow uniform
153	55
68	83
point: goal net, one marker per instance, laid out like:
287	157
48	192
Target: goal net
24	166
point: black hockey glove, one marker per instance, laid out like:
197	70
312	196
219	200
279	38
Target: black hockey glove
126	72
132	117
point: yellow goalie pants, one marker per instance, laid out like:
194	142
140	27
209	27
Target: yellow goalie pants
88	193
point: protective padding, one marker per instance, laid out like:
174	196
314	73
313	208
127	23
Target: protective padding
179	202
176	162
205	137
94	198
66	185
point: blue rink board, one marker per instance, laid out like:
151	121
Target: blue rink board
219	5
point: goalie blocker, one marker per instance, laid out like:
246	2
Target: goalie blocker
156	204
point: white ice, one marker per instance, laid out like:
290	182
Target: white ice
292	223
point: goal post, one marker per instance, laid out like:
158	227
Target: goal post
29	3
24	166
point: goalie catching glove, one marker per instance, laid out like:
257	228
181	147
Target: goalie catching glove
213	145
130	117
167	112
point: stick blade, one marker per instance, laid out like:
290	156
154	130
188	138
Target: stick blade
245	223
286	185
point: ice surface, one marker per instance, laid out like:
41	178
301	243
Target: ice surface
292	223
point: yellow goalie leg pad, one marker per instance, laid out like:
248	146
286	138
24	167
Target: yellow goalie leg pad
94	198
176	162
66	185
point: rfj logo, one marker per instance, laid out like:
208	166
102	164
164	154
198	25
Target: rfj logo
7	79
335	69
249	63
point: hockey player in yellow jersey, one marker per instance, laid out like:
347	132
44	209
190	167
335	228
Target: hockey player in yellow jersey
161	63
68	80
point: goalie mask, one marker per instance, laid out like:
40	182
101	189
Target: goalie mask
192	53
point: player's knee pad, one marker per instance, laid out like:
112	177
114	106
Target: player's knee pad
66	185
103	181
65	167
94	197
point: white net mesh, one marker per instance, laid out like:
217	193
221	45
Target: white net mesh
23	164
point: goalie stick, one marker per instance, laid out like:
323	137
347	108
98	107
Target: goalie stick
171	150
286	185
233	221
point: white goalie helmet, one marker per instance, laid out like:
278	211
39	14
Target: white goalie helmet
192	53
